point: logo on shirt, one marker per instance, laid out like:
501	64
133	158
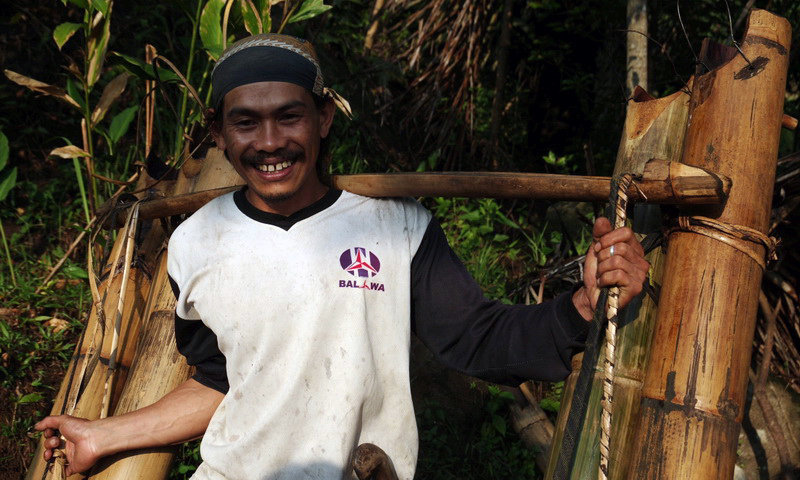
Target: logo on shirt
361	264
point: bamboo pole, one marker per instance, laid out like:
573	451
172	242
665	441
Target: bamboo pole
662	182
653	128
695	383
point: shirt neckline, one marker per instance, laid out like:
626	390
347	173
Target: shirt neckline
280	221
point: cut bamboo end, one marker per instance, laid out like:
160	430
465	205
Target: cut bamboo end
789	122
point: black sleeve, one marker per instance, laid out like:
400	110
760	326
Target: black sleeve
506	344
199	345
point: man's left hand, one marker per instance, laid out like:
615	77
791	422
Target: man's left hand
615	258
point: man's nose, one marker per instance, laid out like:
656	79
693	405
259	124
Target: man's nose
269	137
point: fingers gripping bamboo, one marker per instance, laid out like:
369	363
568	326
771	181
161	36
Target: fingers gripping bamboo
611	338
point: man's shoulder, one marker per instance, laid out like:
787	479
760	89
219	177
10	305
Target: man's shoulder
405	205
207	218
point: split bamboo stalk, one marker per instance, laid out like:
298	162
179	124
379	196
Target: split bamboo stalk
157	369
694	388
95	348
653	128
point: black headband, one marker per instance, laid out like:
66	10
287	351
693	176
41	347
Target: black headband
265	59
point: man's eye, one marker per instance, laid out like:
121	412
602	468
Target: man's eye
290	117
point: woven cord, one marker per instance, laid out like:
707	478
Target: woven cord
611	339
583	386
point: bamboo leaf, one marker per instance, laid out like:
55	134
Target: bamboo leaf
121	122
110	94
264	7
144	70
41	87
8	183
251	17
3	150
309	9
69	151
75	94
211	28
101	6
97	46
63	32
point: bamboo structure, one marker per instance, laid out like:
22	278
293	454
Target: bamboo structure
653	128
694	387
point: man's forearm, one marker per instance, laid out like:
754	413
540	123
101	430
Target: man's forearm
181	415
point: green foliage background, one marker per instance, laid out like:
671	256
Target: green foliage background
563	104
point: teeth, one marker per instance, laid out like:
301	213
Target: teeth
274	168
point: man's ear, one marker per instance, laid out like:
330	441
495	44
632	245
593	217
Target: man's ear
326	118
215	129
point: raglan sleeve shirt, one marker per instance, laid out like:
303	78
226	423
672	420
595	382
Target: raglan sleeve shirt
506	344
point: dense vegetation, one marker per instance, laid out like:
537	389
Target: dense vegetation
432	87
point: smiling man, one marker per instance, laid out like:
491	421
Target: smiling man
296	301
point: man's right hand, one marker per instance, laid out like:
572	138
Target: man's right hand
82	446
183	414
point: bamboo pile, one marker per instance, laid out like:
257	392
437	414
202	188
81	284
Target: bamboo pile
148	364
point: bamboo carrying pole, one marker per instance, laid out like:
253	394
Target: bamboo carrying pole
695	383
662	182
653	128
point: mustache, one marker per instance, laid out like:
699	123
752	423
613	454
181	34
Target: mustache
279	155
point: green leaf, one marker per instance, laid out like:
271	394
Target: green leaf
309	9
8	183
101	5
63	32
74	271
251	17
30	398
3	150
121	122
74	93
211	28
96	47
144	70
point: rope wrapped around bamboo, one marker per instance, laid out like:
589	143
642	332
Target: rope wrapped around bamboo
612	307
747	240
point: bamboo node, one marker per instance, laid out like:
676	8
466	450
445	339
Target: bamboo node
745	239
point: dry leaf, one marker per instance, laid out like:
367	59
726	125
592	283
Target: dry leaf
110	94
70	151
41	87
57	324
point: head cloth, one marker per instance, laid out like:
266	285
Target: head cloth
267	57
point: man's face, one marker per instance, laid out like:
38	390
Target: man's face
271	132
